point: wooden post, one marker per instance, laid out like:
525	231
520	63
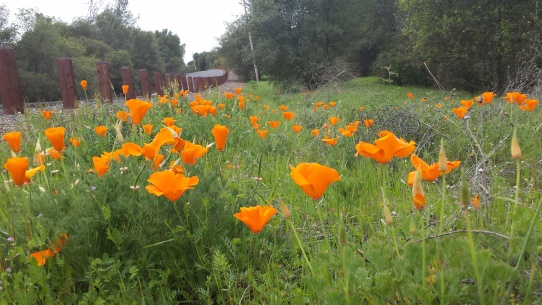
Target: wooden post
145	86
103	82
190	84
158	83
11	94
66	79
127	80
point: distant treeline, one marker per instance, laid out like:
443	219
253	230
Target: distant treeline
466	44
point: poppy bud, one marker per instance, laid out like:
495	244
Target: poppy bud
412	228
515	149
284	209
442	161
417	191
387	215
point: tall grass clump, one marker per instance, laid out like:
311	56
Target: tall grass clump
361	194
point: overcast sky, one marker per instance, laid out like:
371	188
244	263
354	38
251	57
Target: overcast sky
197	22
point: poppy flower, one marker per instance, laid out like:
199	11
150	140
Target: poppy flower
138	109
315	132
47	114
147	128
334	120
14	140
169	121
460	112
53	153
256	217
241	105
273	124
476	202
331	142
487	97
191	152
467	103
262	133
220	132
253	119
238	90
100	130
429	172
288	115
169	184
438	106
125	89
228	95
362	108
84	84
122	115
150	150
528	104
75	142
515	97
17	169
418	195
368	122
385	148
101	164
410	96
297	128
56	137
332	104
283	107
314	178
31	172
41	256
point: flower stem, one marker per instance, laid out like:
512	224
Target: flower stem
441	220
301	247
475	260
514	210
423	247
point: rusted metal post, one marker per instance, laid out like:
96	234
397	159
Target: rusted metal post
158	83
145	86
182	81
190	84
127	80
11	94
198	84
103	82
66	79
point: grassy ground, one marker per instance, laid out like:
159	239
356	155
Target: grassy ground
363	241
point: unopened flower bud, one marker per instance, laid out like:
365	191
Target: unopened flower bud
442	161
515	149
388	219
284	209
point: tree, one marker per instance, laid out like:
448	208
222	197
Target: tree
145	51
7	31
171	50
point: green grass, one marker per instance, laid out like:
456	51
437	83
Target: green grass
128	246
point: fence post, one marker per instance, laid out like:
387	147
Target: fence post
66	78
103	81
10	84
127	80
158	83
145	86
181	78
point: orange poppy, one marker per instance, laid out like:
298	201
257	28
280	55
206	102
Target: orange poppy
241	105
41	256
528	104
147	128
47	114
169	184
31	172
101	164
331	142
273	124
169	121
238	90
314	178
361	108
438	106
297	128
220	133
334	120
100	130
191	152
138	109
487	97
228	95
256	217
75	142
164	136
253	119
315	132
332	104
262	133
84	84
288	115
515	97
125	89
386	148
418	195
122	115
467	103
56	137
429	172
368	122
460	112
14	140
283	107
53	153
131	149
410	96
221	106
17	169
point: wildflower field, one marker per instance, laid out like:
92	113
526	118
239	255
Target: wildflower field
360	193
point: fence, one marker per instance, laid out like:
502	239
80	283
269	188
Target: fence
11	93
